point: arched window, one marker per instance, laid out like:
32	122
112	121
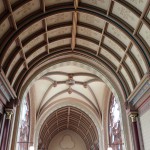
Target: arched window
115	139
24	126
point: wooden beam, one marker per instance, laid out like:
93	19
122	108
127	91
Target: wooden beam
74	29
68	117
76	4
42	5
46	35
79	121
105	28
57	121
135	31
141	17
102	38
123	58
74	24
22	53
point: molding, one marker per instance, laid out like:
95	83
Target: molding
139	92
143	100
144	107
2	98
5	87
4	91
1	108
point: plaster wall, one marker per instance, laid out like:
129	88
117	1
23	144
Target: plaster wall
67	140
145	128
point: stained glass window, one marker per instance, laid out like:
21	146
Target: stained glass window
115	139
24	126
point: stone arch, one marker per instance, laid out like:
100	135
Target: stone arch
96	69
63	103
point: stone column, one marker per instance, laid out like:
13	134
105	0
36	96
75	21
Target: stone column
6	131
2	127
134	126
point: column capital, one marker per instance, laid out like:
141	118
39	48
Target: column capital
9	113
133	116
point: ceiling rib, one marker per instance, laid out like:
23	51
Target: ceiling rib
57	121
43	98
43	5
46	36
104	29
123	58
141	17
45	26
22	53
115	21
134	33
64	82
74	74
78	52
78	122
43	45
74	24
108	16
66	91
68	117
96	100
129	6
102	38
13	22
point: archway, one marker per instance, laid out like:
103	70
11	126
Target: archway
81	66
110	36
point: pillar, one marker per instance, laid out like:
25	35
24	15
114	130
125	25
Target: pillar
2	127
133	116
6	130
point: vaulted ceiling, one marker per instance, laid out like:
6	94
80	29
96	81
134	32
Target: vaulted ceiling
114	32
69	118
73	82
35	34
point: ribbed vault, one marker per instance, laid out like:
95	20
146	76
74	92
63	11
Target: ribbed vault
69	118
73	89
57	85
37	34
114	32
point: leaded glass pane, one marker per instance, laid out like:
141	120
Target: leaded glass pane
115	139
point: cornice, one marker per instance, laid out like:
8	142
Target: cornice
5	87
140	90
